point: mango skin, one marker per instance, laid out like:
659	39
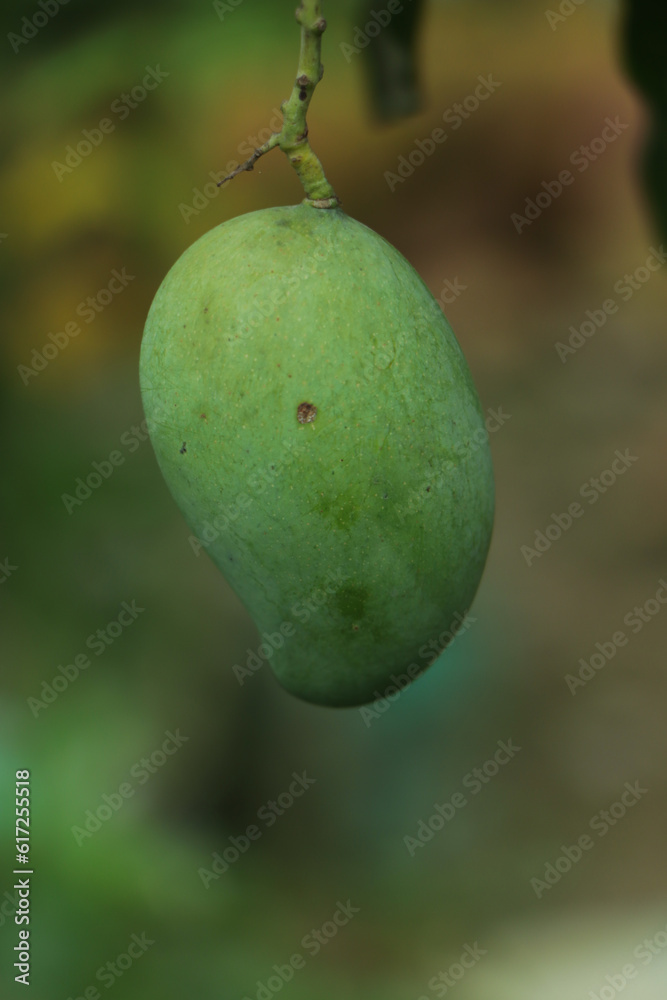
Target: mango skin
356	537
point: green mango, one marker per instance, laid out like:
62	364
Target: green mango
316	421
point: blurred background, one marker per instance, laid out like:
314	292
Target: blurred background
152	865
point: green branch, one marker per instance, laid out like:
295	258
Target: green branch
293	135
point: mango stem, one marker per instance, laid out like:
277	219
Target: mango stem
293	135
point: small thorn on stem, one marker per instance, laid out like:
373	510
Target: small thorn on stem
251	161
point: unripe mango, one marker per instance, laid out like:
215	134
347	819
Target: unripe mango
316	421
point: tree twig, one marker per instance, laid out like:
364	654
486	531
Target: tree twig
252	160
293	136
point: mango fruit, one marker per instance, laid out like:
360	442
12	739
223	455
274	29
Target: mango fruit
316	421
